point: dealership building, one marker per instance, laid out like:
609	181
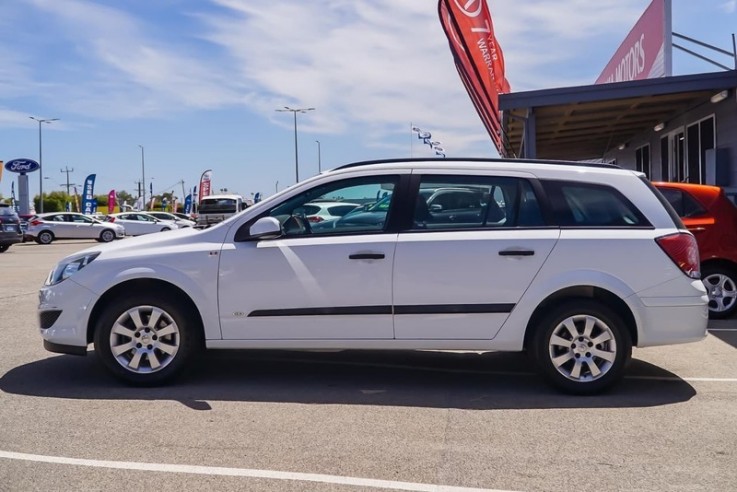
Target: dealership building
673	128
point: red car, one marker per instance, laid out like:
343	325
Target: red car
712	218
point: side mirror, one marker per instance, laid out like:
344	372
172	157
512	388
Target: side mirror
436	207
265	228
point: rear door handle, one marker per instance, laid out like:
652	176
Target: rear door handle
366	256
517	252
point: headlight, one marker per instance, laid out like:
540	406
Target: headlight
69	267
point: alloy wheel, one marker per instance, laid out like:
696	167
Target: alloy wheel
722	292
582	348
144	339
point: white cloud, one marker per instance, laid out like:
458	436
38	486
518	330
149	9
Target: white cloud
729	7
371	65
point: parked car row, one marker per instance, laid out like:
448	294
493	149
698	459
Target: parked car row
48	227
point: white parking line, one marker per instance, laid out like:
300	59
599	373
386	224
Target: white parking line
241	472
722	329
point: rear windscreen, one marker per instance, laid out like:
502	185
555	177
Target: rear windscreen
221	206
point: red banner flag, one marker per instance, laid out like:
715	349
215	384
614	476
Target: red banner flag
478	58
111	202
205	184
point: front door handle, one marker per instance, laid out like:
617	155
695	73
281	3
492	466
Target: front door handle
517	252
366	256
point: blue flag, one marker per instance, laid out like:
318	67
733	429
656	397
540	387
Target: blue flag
188	204
88	195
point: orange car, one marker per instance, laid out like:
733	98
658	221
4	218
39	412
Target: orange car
712	218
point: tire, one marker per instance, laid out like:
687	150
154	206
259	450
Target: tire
721	285
578	364
107	235
153	357
45	237
165	229
4	248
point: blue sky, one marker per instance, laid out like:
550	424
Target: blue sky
197	82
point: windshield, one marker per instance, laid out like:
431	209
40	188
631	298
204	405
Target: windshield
218	205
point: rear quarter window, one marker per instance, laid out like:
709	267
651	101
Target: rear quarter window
578	204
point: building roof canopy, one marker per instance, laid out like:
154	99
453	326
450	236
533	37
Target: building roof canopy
586	122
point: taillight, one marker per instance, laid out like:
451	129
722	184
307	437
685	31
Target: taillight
36	222
315	219
683	250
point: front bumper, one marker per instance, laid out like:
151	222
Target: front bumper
73	303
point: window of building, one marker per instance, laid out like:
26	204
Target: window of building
642	159
700	138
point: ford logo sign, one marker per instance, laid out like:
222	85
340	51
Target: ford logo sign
22	166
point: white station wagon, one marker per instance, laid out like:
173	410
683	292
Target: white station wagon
574	264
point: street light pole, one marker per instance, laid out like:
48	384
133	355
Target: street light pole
40	162
143	176
296	152
319	164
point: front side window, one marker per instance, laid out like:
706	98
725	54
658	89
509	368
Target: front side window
472	202
592	205
373	195
81	219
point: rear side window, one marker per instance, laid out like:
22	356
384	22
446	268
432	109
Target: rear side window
341	210
592	205
684	204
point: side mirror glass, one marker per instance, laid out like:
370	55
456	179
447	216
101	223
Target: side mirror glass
265	228
436	207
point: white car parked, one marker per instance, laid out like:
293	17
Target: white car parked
181	222
574	264
138	223
45	228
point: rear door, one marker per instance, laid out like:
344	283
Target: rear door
460	279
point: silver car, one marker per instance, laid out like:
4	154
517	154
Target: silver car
45	228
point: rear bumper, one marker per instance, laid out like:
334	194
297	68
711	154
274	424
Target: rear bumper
680	320
8	238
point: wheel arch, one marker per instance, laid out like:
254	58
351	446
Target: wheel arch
719	263
140	285
606	297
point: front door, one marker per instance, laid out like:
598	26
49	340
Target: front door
329	280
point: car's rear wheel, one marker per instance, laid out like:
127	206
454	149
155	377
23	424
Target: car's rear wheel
147	339
165	229
44	237
721	286
582	346
107	235
4	248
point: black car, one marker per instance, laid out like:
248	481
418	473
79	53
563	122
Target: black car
10	232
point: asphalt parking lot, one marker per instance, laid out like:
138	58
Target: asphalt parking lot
423	421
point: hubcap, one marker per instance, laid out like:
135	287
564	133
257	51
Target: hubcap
722	292
144	339
582	348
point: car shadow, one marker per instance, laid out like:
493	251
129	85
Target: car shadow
472	381
728	337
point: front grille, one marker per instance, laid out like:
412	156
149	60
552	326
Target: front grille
48	318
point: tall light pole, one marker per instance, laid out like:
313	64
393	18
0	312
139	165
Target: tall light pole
40	162
319	164
296	152
143	176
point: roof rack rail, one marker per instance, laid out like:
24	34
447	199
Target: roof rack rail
478	159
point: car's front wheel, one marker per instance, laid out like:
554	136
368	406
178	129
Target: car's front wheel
107	235
165	229
44	237
147	339
721	286
582	346
4	248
